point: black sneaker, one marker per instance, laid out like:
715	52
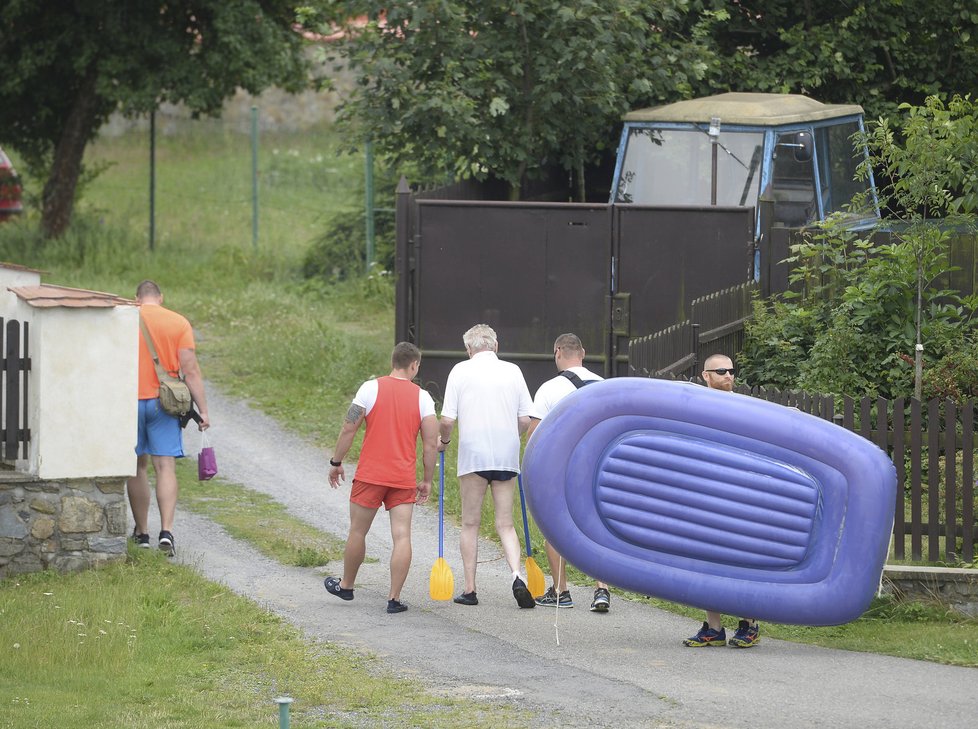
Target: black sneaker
395	606
523	597
140	540
467	598
332	585
601	602
166	543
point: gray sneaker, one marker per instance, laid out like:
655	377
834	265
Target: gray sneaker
551	599
601	602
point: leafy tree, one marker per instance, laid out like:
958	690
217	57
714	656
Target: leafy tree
877	53
68	65
467	88
869	301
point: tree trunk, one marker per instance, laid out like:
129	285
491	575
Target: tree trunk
58	199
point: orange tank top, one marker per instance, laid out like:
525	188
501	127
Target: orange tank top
389	453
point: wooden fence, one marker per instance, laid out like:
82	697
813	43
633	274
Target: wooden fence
932	445
16	364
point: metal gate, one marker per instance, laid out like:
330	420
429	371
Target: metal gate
533	271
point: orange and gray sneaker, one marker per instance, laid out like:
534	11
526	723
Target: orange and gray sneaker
707	638
747	636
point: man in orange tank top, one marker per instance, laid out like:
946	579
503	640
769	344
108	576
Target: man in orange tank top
396	411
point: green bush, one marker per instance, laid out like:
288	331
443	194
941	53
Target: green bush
341	252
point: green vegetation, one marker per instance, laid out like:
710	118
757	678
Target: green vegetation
149	643
257	519
867	302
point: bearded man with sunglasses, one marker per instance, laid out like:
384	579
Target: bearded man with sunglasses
718	373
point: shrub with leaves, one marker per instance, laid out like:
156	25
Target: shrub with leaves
869	298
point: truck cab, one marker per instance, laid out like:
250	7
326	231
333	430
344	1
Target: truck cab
743	149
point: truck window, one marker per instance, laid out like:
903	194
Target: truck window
793	184
837	163
674	167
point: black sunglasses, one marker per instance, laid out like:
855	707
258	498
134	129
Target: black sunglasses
723	370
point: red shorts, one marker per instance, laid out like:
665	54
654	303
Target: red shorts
371	496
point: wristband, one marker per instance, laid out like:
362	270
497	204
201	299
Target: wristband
443	442
335	464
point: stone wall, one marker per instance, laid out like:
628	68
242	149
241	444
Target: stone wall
951	586
65	525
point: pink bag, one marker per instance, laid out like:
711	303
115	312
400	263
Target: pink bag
206	460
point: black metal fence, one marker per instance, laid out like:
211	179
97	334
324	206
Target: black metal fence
14	430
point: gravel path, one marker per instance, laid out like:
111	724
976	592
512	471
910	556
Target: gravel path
575	668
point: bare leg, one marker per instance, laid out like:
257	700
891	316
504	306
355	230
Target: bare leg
473	490
401	552
356	543
713	619
166	489
558	568
502	499
137	488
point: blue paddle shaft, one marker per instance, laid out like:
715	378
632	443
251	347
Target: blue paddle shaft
441	506
526	525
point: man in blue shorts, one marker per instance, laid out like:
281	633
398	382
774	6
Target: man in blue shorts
159	439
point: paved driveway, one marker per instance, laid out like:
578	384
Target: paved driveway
572	668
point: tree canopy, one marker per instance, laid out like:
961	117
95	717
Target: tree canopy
464	88
68	65
471	89
876	53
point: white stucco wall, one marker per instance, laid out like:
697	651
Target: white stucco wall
9	278
83	390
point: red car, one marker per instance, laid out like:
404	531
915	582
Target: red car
10	189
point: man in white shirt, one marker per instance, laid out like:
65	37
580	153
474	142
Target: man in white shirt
490	399
569	359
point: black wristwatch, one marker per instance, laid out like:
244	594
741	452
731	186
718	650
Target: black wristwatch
335	464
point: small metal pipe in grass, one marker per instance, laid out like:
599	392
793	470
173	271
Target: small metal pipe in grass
283	711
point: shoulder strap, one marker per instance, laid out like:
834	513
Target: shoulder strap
576	379
160	372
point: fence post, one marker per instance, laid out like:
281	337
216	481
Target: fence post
402	270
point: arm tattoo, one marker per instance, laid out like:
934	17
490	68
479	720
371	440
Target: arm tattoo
355	414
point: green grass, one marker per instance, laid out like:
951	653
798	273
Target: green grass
148	643
257	519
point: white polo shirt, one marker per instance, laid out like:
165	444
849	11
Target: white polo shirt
556	389
486	396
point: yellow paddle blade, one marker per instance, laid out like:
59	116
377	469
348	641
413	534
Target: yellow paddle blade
442	584
535	581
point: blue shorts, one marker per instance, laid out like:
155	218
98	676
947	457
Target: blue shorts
159	432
